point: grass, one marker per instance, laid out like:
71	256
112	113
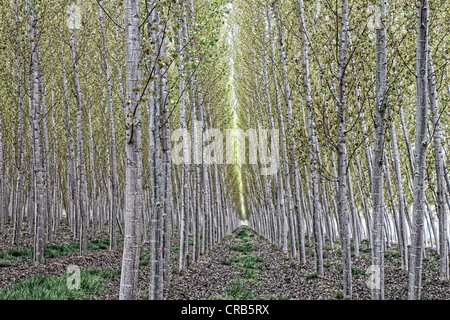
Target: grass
230	261
5	264
236	291
242	233
311	276
357	272
15	253
53	251
43	287
388	255
144	259
98	244
283	297
251	262
249	274
244	248
339	295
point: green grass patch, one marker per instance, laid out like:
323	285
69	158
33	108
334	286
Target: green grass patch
144	259
249	274
283	297
98	244
244	248
57	250
175	249
392	253
242	233
357	272
311	276
16	253
5	264
237	291
433	269
338	295
53	250
43	287
229	261
251	262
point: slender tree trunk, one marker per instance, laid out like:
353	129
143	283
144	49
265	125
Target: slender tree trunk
133	148
291	155
166	229
82	189
378	148
46	158
313	142
37	143
415	270
403	241
439	165
18	204
283	194
112	133
184	190
342	156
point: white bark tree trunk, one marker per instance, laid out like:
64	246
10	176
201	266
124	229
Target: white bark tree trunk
415	270
378	148
37	142
342	156
133	187
81	185
439	165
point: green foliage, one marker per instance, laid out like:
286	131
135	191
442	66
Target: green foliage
238	291
338	295
311	276
389	255
249	274
43	287
243	232
235	292
230	261
144	259
357	272
244	248
98	244
5	264
53	251
64	249
15	253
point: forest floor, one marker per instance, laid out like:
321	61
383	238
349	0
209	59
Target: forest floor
243	266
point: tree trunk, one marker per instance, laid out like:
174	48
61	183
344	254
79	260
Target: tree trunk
133	148
37	143
342	156
378	148
82	189
112	133
439	165
415	270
